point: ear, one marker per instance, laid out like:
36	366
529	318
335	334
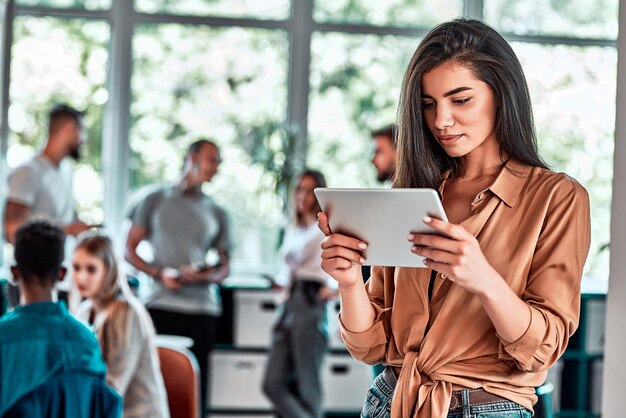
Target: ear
62	273
193	160
17	274
66	128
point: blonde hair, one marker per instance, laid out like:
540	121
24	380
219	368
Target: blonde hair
115	296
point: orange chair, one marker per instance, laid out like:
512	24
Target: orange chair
182	380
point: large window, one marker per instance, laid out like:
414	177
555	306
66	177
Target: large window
60	61
233	71
78	4
573	18
266	9
407	13
573	93
228	85
355	85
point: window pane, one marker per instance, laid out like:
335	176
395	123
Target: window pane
77	4
576	18
60	61
573	92
226	84
266	9
355	85
416	13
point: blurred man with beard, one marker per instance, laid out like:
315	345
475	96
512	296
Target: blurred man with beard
42	186
384	158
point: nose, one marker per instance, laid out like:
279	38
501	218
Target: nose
443	118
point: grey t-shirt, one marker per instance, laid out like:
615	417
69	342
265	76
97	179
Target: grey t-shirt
182	229
45	188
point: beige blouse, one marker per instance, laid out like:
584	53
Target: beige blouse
533	226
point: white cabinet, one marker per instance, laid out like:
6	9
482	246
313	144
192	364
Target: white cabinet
334	336
345	383
236	379
597	368
255	313
596	318
240	415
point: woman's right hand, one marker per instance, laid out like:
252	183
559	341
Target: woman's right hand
342	256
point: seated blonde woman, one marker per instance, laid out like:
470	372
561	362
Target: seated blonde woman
123	327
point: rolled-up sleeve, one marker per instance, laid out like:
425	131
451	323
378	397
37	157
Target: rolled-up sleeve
23	186
553	289
370	345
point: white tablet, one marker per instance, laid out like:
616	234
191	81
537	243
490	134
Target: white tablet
383	218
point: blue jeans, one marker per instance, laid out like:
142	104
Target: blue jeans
378	404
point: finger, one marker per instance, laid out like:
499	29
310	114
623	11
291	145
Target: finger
433	254
342	252
322	223
434	241
451	230
337	263
334	240
444	269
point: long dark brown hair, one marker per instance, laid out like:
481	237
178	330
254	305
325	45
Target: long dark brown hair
471	43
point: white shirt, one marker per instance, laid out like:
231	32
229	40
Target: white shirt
45	188
301	256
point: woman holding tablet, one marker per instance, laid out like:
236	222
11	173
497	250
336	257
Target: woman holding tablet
474	332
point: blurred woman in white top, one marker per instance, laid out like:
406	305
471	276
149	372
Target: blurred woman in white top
292	379
123	327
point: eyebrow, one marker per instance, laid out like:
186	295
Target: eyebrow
450	93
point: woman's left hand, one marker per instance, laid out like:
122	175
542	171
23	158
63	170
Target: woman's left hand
456	255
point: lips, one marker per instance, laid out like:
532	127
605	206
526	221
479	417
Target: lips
449	139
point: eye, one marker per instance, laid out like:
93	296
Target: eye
76	267
428	105
91	269
462	101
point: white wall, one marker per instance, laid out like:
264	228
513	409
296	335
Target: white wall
614	381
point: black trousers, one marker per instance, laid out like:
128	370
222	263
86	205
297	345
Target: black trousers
201	328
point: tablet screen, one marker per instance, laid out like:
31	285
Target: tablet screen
383	218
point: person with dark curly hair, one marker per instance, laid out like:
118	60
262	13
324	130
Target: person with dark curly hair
49	361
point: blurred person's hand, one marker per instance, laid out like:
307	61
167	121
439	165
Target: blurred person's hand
171	278
325	293
191	274
77	228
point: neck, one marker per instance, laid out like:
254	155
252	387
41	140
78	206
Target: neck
307	219
188	184
98	305
53	153
34	292
484	161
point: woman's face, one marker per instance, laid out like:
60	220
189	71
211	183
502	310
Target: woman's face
303	195
459	109
89	273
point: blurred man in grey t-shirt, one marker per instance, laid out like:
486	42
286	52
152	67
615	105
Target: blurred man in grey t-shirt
182	224
42	186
